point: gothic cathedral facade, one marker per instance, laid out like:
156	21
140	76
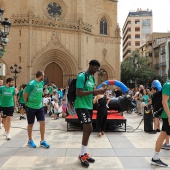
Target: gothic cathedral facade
61	37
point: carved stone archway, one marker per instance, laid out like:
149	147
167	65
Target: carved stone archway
59	57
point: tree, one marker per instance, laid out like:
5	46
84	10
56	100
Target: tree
136	68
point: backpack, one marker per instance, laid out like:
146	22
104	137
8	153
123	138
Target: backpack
157	103
71	96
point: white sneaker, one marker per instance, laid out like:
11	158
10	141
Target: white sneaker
8	137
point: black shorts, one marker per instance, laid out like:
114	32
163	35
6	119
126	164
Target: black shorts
22	106
7	111
0	109
157	115
165	126
32	113
84	115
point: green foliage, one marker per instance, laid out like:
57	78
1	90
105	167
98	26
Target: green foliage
136	68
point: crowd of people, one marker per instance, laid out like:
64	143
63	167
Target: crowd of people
36	99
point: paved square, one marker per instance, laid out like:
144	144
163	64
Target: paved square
115	150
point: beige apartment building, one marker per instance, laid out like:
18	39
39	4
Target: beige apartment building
137	25
157	50
61	37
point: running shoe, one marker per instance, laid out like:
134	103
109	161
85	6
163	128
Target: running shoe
31	144
8	137
44	144
165	146
89	159
83	161
158	162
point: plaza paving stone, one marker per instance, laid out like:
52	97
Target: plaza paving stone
115	150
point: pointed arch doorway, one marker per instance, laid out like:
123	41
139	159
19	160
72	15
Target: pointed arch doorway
54	73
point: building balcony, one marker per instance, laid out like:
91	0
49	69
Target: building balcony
156	66
163	64
156	54
149	48
163	51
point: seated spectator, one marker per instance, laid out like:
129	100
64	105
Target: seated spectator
118	92
54	95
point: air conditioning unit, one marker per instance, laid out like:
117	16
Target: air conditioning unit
2	69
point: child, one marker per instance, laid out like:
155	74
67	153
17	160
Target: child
45	103
64	106
56	107
60	109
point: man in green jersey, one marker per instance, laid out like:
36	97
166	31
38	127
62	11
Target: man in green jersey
1	84
8	103
22	101
34	108
165	124
84	106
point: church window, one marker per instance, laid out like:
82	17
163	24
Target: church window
54	9
103	26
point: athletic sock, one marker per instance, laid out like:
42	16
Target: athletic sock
83	150
156	156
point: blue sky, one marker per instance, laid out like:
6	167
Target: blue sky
160	9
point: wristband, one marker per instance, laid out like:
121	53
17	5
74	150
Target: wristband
93	93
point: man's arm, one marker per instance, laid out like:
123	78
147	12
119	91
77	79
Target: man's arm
81	92
14	97
26	97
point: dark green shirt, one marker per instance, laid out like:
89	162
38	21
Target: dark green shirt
21	96
166	91
85	102
7	96
35	91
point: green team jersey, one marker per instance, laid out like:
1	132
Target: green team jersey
166	91
84	102
0	97
50	89
21	96
35	91
7	96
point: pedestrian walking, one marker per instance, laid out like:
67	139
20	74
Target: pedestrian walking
8	103
21	101
34	108
165	125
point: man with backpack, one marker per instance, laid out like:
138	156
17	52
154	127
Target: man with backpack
165	125
84	106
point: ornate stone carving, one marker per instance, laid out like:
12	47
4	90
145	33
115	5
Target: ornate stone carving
43	22
104	52
54	9
104	40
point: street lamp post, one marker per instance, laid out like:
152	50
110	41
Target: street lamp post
4	31
101	73
16	69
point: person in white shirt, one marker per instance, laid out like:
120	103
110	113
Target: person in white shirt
45	103
56	108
